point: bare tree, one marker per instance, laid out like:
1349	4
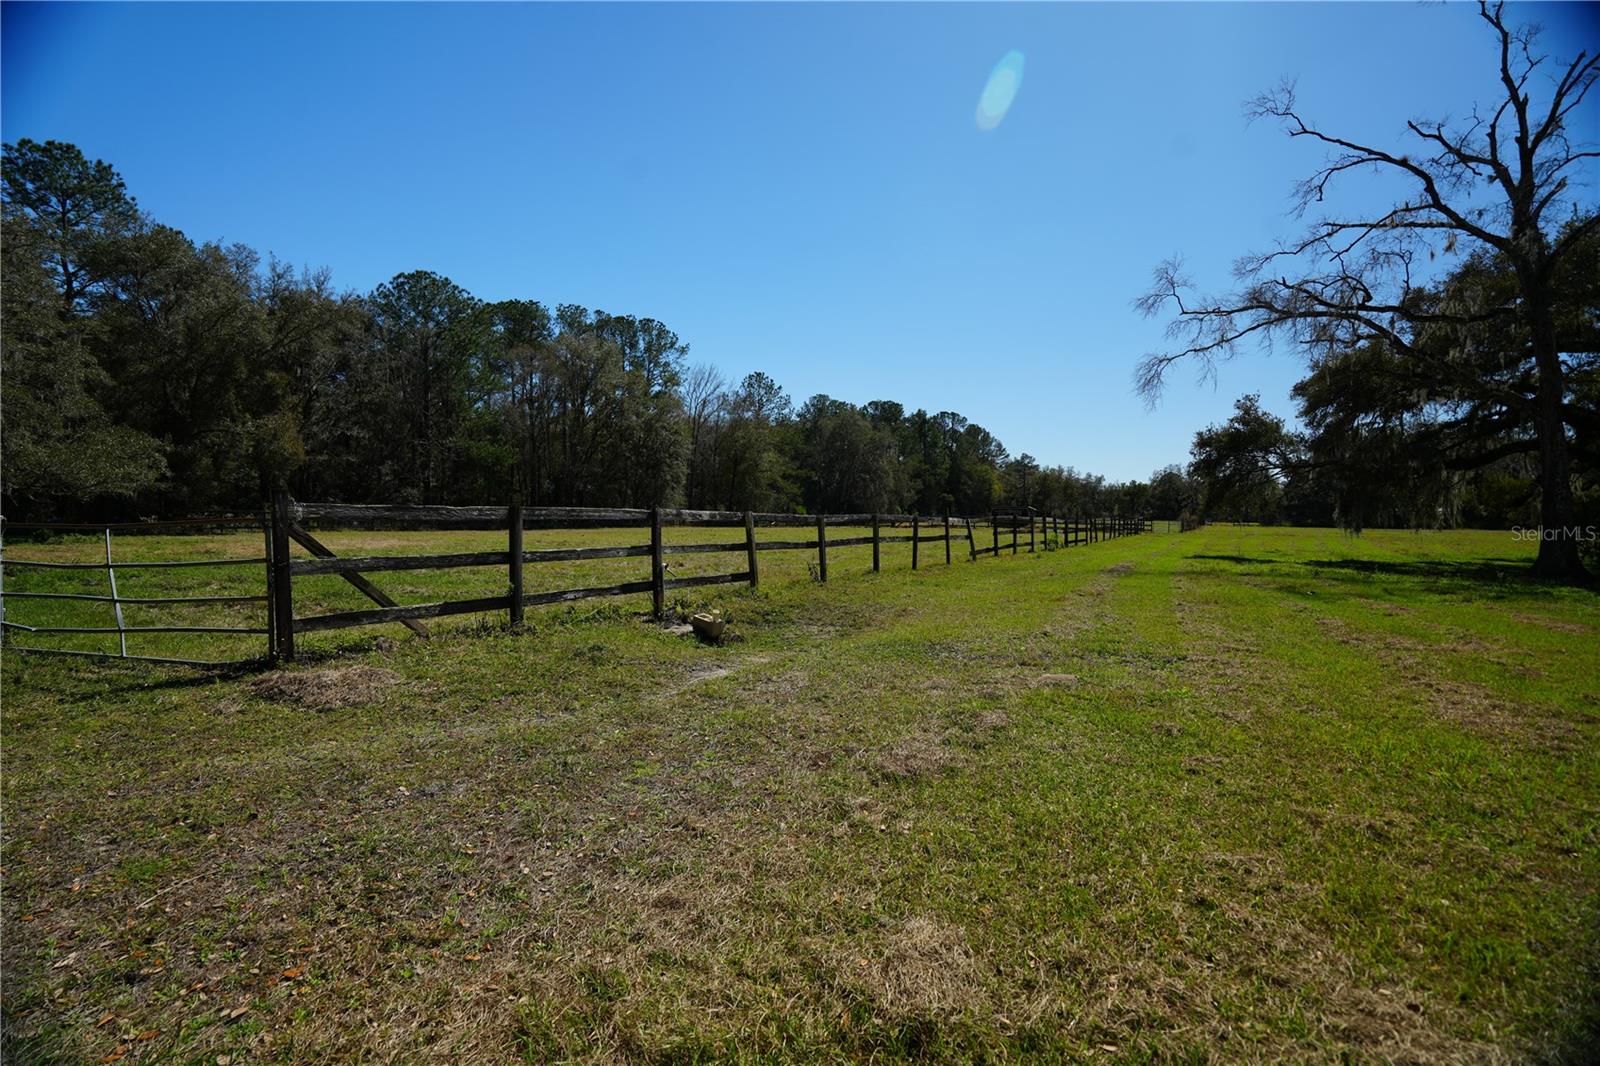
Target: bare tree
705	399
1503	185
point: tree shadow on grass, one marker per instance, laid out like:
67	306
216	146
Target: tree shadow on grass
1484	573
1480	571
1496	572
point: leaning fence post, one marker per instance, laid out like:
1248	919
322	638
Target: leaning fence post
282	591
947	538
874	544
750	548
514	556
916	540
822	550
658	576
972	541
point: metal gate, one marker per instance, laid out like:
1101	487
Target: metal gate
114	601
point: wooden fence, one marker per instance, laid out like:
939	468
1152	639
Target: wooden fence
287	522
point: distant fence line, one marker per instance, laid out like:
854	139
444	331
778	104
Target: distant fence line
286	521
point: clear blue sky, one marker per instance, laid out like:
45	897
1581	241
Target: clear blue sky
800	189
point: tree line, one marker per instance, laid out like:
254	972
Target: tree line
148	374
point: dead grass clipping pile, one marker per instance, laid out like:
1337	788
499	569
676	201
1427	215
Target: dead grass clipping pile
327	689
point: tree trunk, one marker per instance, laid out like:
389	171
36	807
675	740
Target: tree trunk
1558	533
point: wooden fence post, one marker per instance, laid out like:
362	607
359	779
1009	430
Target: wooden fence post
1032	543
283	593
972	541
947	538
658	568
272	600
916	540
750	548
1013	534
994	531
874	544
822	550
514	556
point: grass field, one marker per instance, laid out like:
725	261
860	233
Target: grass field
1235	794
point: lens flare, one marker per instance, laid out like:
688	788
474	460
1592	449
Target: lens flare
1004	81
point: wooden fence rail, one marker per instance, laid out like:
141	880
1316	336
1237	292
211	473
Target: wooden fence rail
287	521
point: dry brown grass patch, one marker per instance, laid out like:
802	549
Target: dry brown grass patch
920	754
1480	710
922	968
1552	623
327	689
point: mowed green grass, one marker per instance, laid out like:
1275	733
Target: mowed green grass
1236	794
